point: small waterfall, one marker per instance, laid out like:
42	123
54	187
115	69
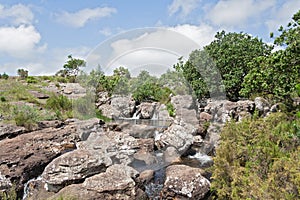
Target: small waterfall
136	115
155	116
27	186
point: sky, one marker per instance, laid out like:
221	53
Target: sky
38	35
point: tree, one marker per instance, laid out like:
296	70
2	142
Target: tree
72	66
277	74
227	56
23	73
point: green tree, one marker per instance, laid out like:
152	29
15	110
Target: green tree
23	73
227	56
72	66
277	74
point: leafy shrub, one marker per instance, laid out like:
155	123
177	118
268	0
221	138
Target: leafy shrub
258	159
170	109
2	99
61	105
26	116
31	79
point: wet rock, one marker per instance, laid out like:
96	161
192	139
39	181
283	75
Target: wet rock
72	167
184	182
10	131
145	177
171	155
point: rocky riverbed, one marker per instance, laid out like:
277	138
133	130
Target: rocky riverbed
121	160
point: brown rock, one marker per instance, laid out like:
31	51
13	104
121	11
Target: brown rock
25	156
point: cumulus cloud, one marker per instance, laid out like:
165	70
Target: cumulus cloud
182	7
17	14
19	41
105	31
230	13
157	48
282	14
80	18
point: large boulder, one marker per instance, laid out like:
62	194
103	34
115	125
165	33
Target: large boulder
24	157
184	182
183	101
147	110
118	182
124	104
178	135
72	167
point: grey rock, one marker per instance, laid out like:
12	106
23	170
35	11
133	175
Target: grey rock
147	110
124	104
71	167
183	182
183	101
10	131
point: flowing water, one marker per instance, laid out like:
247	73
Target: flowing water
28	186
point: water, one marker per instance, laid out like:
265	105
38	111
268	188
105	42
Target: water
149	122
28	185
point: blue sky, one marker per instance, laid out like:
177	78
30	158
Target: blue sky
38	35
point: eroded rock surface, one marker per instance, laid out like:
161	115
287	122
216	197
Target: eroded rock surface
184	182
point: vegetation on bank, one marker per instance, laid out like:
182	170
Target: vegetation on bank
259	159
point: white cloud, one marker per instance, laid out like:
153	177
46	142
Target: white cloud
282	14
160	47
230	13
182	7
19	41
202	34
105	31
17	14
80	18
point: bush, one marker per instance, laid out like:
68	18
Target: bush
61	105
2	99
31	79
258	159
4	76
26	116
170	109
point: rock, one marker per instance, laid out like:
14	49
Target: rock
183	182
162	113
145	156
73	167
262	105
188	116
171	155
50	124
205	117
179	136
5	183
25	156
140	131
10	131
116	183
124	104
38	94
72	90
183	101
145	177
147	110
109	111
102	98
